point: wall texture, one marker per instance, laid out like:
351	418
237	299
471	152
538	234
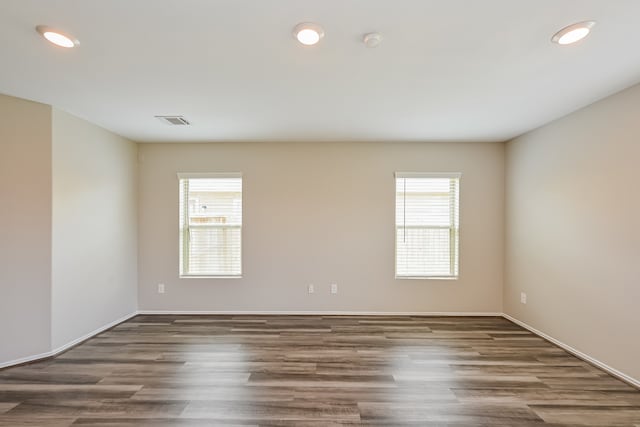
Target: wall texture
572	234
94	275
322	213
25	228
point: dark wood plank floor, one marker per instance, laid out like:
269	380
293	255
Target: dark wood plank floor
315	370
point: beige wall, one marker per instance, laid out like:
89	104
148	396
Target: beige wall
25	228
94	276
572	234
68	228
321	213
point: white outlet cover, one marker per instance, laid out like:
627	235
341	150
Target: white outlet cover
311	289
523	298
161	288
334	288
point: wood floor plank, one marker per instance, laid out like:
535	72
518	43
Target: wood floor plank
588	415
498	415
201	370
22	421
6	406
290	410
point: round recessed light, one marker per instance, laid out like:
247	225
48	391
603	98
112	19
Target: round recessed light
308	33
573	33
57	37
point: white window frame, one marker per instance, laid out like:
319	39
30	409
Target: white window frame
185	230
450	175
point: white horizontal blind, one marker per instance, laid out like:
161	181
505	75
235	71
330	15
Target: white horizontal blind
211	225
427	225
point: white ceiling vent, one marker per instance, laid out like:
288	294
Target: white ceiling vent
174	120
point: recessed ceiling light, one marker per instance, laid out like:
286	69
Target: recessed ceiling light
57	37
308	33
573	33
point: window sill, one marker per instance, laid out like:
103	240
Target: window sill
192	276
427	277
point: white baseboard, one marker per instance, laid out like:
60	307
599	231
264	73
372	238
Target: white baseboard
68	345
324	313
25	359
612	371
92	333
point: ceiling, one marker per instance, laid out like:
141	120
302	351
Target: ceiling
446	70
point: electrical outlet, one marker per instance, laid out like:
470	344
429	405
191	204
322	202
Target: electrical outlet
310	288
161	288
523	298
334	288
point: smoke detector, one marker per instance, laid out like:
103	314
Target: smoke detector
372	39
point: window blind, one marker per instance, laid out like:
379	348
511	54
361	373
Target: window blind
427	225
210	225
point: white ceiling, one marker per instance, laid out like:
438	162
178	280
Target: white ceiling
446	69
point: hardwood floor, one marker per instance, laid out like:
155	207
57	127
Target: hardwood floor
315	370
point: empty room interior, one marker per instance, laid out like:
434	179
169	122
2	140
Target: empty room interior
319	213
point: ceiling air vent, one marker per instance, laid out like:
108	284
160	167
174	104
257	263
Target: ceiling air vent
174	120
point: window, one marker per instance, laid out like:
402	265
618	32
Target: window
210	225
427	225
